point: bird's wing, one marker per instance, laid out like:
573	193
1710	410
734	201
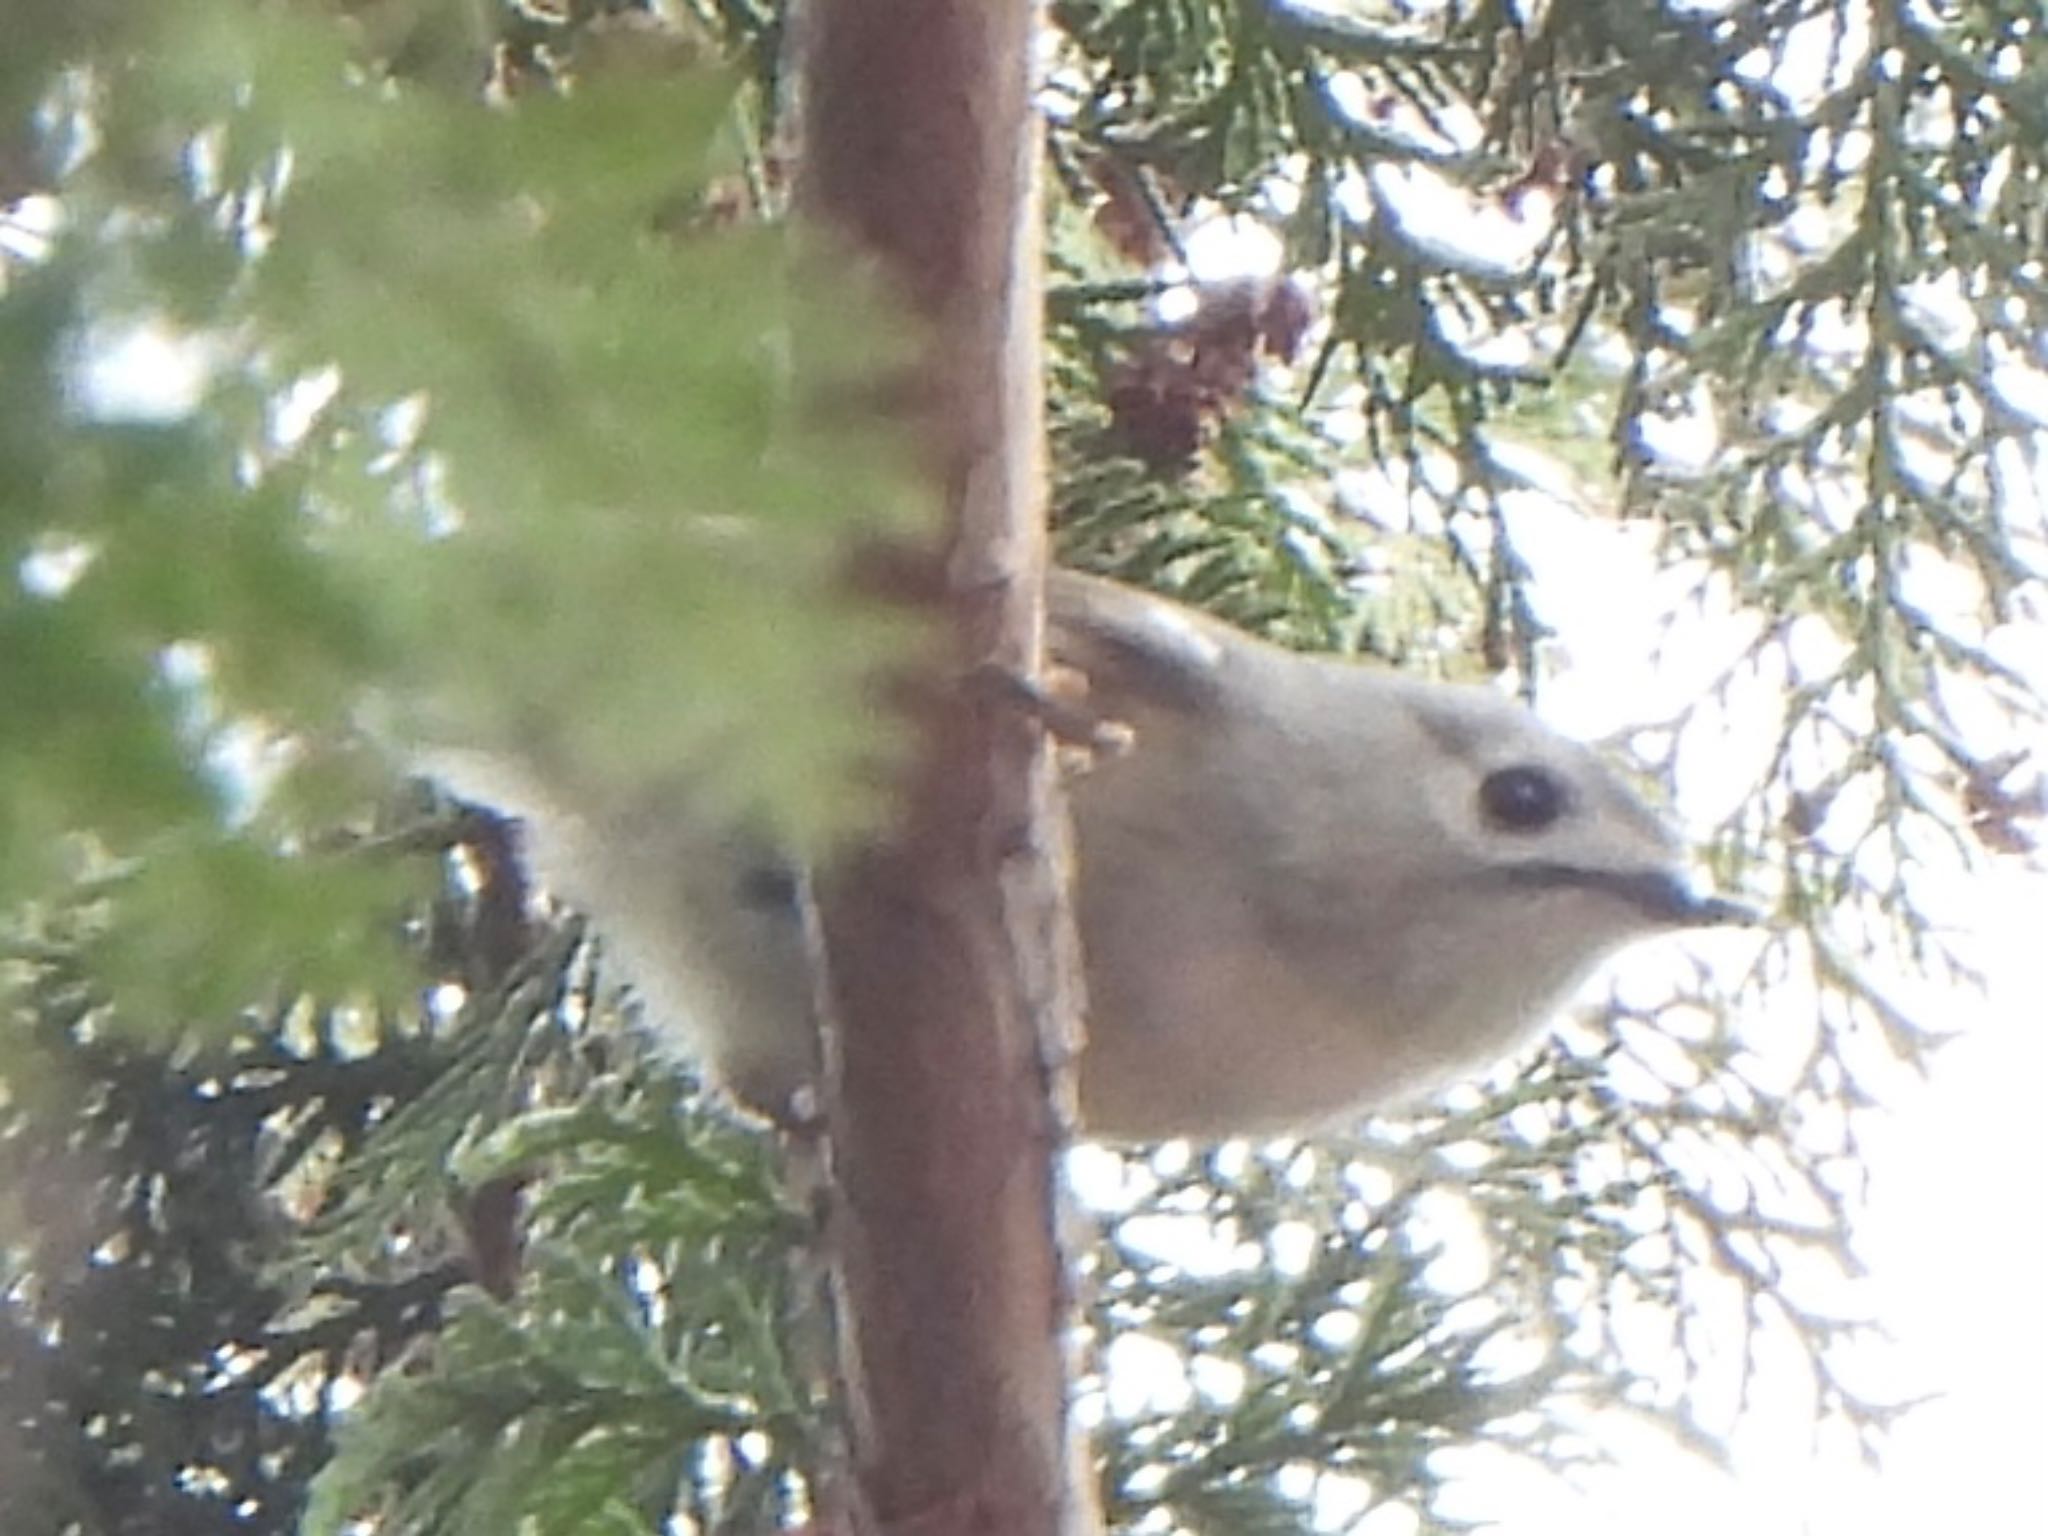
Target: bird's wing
1142	655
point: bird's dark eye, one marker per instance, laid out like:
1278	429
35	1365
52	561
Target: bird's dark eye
1522	798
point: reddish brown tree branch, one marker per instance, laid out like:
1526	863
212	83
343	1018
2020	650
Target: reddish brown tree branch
945	945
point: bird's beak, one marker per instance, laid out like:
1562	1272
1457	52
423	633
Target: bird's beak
1671	898
1664	896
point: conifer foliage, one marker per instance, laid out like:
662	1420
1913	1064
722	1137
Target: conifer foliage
337	1192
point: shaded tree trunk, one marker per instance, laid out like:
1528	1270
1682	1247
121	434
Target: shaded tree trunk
946	946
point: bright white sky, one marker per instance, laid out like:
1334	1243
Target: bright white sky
1957	1235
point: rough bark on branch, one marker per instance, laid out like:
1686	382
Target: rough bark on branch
946	946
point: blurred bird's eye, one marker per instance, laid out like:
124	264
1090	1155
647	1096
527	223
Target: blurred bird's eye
768	886
1521	799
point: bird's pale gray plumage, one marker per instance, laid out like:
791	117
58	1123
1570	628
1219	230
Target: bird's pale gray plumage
1305	892
1311	887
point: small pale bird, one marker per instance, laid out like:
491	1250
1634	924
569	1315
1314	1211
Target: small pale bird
1312	887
